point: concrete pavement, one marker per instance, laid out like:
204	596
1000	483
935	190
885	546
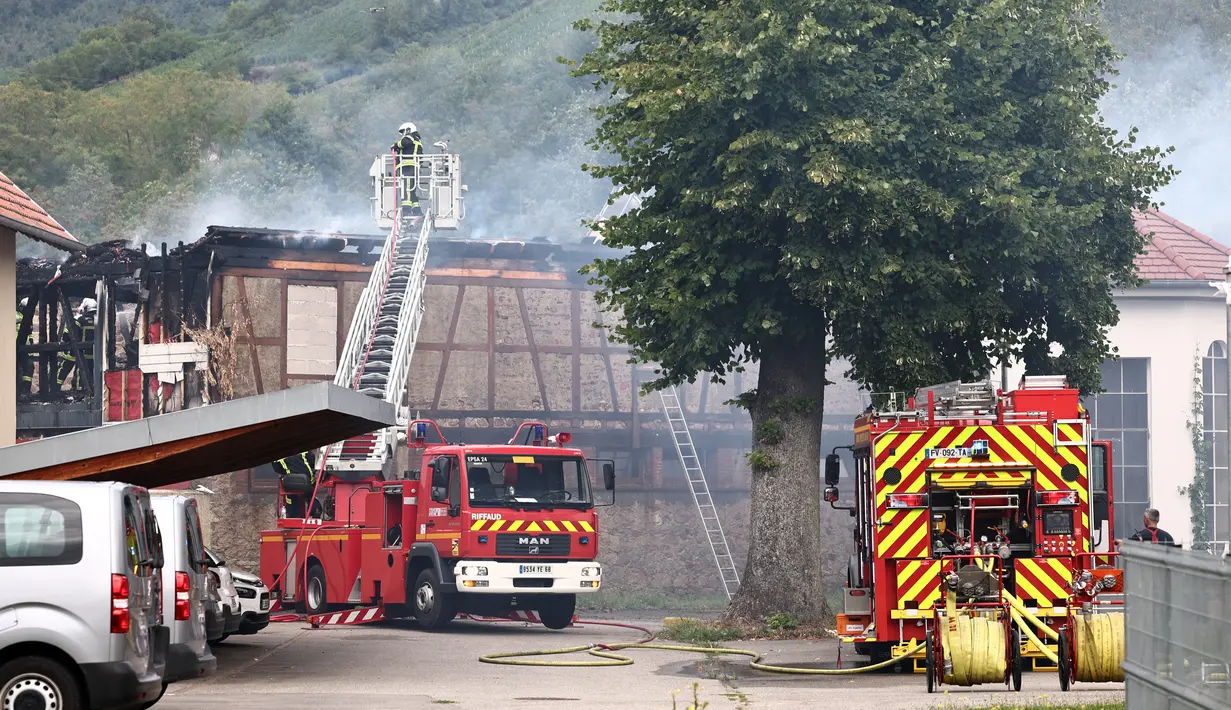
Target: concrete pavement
394	665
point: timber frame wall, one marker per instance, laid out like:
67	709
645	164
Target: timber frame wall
507	336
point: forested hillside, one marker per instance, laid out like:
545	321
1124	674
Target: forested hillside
271	114
156	118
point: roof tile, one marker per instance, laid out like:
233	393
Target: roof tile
24	214
1175	251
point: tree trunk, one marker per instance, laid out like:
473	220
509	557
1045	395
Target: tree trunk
783	571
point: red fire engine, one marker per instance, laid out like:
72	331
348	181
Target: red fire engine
964	470
471	529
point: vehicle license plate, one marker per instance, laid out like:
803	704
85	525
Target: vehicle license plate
534	569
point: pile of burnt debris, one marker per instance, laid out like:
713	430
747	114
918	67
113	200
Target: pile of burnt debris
105	258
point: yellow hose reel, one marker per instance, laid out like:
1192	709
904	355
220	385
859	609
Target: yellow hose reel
974	646
1092	649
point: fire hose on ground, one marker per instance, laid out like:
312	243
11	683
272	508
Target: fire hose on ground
606	652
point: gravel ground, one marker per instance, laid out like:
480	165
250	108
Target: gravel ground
394	665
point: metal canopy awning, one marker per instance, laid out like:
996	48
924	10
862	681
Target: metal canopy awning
195	443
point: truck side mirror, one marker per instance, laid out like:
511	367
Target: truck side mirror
609	476
833	469
440	480
455	492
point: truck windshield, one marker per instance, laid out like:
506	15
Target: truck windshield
506	480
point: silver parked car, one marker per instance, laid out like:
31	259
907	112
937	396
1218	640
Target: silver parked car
186	583
79	604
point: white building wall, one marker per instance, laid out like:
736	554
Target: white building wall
1172	324
1174	328
8	336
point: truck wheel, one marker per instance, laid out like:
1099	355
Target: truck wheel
1016	668
37	682
314	591
556	611
433	608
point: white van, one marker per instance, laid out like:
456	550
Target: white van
184	578
79	596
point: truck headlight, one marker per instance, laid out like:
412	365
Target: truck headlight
591	571
471	571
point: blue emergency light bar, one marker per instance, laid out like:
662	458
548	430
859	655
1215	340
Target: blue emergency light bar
421	430
540	433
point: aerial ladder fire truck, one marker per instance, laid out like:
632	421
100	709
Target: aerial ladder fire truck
975	503
487	530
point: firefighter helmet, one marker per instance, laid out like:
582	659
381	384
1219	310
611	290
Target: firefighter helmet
88	305
23	303
407	128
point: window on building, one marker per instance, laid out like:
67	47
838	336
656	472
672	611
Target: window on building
311	330
1218	475
1121	415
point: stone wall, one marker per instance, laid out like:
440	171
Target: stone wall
655	542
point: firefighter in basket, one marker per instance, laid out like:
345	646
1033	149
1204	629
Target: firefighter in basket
406	151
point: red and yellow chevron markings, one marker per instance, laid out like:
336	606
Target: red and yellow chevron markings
967	479
918	589
531	526
1042	581
903	533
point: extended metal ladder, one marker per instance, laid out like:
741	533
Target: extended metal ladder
682	437
385	330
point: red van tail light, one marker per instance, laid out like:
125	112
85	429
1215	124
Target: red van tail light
120	621
181	596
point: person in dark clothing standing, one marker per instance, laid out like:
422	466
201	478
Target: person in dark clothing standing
25	363
1152	533
406	150
304	465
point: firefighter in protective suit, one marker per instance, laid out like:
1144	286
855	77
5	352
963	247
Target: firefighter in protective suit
82	326
406	150
25	364
298	478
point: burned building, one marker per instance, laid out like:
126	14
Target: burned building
87	321
508	335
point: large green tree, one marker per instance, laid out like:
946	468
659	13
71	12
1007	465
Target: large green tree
918	186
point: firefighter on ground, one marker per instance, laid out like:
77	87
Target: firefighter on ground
82	328
298	465
406	151
1152	533
25	364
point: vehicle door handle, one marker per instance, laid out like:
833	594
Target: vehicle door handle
430	523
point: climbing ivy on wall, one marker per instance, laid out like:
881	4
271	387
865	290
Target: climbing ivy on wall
1196	490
